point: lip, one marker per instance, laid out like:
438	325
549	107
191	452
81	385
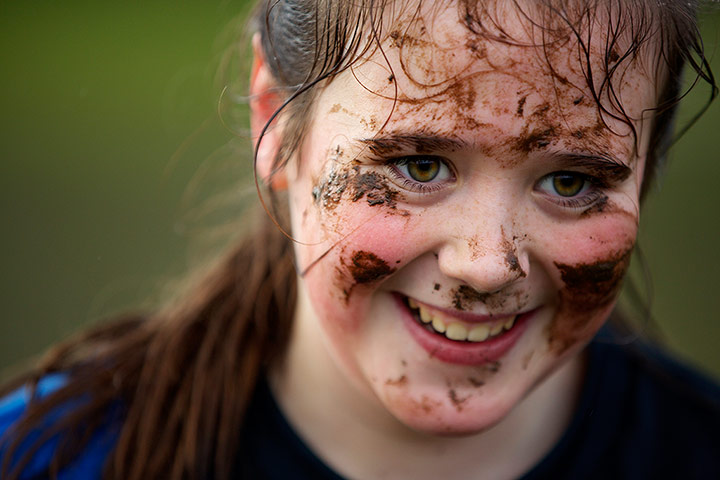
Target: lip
464	353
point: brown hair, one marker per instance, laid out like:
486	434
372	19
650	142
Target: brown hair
176	385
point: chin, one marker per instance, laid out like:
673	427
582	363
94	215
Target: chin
450	412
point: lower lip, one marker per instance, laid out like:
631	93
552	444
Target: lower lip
464	353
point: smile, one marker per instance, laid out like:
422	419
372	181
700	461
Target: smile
461	337
458	330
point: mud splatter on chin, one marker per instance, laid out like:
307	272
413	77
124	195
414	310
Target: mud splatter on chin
399	400
588	287
397	382
363	267
493	367
457	400
475	382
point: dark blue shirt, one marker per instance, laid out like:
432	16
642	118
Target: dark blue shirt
641	415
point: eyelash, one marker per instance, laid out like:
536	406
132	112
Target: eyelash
412	185
593	190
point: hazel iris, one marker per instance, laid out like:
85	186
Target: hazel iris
423	169
568	184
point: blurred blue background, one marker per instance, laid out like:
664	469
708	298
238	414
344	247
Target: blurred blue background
117	173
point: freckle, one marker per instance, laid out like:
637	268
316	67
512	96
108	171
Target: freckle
403	363
397	261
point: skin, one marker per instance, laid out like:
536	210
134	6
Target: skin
492	238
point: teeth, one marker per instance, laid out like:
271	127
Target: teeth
438	325
426	316
479	333
455	331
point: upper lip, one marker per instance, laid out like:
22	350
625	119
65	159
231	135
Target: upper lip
468	317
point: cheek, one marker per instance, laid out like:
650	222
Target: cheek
588	266
365	245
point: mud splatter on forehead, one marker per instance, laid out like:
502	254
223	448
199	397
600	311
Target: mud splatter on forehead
536	53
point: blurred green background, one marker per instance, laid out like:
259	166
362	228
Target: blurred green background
116	171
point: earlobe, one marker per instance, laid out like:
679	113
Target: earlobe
264	102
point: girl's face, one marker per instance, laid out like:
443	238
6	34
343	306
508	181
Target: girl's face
465	217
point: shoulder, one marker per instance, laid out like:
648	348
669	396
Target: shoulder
669	420
37	449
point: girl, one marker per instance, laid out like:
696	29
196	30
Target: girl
453	199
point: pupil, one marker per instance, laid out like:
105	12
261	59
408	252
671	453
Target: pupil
423	170
568	185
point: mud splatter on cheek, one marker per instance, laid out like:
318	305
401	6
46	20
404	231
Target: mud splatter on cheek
352	183
589	287
360	269
604	206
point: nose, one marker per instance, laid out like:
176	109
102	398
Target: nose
488	260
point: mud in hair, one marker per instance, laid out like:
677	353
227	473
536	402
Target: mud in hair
175	385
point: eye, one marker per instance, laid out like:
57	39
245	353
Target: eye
421	172
572	189
423	169
564	184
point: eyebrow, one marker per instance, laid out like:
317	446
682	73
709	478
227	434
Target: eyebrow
418	143
598	165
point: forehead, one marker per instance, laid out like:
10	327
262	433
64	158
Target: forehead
505	72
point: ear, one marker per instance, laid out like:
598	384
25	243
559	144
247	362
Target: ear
264	101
